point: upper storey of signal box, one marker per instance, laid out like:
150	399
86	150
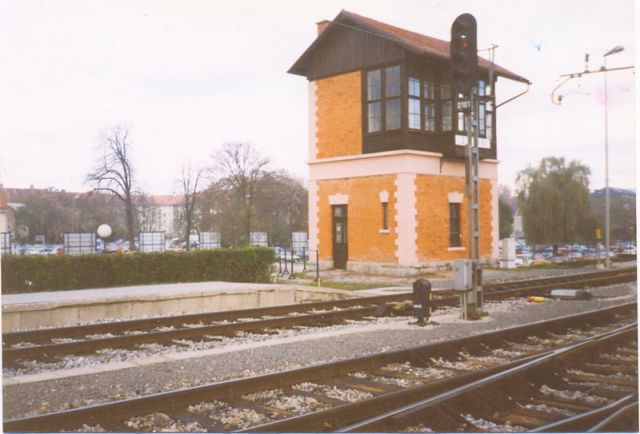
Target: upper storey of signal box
380	88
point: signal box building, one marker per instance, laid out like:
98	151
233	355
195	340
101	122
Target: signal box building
386	150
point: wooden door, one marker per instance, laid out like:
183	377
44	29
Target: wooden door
340	239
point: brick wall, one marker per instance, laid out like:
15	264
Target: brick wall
433	217
366	243
339	116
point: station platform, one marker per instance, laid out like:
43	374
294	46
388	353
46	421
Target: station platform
74	307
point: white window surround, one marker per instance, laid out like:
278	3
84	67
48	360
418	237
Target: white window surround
384	231
339	199
384	196
455	197
453	249
394	163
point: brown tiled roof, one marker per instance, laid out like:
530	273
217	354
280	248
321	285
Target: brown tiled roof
412	41
425	44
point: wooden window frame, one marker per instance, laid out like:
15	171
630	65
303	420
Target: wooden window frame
383	98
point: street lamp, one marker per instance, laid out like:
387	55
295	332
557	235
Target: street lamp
614	50
104	232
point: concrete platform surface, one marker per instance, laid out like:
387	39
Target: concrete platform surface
57	308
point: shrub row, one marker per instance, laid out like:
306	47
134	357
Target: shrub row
52	273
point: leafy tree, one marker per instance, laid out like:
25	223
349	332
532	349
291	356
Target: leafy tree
622	213
554	201
506	219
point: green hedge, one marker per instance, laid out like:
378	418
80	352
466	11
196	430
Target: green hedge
52	273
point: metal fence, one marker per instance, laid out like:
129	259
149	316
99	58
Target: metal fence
300	243
5	243
289	262
151	241
79	243
259	239
209	240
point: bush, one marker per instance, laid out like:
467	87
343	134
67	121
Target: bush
52	273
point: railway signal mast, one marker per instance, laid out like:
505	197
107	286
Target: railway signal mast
464	65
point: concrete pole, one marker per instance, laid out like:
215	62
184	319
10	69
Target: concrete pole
607	262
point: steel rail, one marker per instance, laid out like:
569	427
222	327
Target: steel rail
405	414
110	415
12	356
119	326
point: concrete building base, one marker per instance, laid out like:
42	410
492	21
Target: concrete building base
66	308
396	270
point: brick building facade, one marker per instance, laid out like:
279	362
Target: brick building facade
386	182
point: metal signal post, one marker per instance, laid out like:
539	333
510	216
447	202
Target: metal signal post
464	64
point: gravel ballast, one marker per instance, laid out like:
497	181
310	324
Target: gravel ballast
289	352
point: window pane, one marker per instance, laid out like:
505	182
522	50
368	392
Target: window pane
481	120
385	215
489	106
454	225
446	116
430	115
429	90
414	113
489	126
392	77
481	86
374	86
445	91
393	113
414	87
461	122
487	90
374	116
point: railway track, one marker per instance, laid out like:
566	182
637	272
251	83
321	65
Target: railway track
587	386
51	345
343	394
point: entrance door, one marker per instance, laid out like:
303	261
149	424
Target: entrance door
340	251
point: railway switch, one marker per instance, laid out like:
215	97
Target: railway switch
422	300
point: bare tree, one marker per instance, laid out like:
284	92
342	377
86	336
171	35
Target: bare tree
241	168
189	182
114	174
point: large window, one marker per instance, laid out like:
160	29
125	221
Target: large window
384	105
418	101
374	98
446	110
429	105
454	225
485	113
415	104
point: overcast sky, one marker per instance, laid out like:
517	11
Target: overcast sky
187	76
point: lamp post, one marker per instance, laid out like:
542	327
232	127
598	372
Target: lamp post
614	50
104	232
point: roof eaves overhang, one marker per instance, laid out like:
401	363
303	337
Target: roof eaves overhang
355	21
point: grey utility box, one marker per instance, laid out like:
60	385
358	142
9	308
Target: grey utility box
462	274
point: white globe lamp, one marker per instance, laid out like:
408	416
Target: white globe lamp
104	231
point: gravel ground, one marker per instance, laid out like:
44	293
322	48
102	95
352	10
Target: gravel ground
289	352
